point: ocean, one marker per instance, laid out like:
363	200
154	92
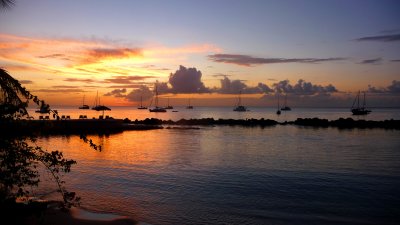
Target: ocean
237	175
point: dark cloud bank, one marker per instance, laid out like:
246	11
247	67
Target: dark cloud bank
302	93
381	38
375	61
246	60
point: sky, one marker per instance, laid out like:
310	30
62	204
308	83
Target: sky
318	53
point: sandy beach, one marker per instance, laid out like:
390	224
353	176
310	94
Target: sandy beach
51	214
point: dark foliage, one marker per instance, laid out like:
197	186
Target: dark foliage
19	155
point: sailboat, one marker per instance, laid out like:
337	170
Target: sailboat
141	104
156	108
359	110
83	104
278	112
168	106
239	107
97	105
189	106
285	107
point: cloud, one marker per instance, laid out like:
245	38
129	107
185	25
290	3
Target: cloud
221	75
393	88
303	88
142	93
56	56
246	60
79	80
65	86
381	38
395	60
126	79
25	82
375	61
119	93
98	54
91	56
60	90
135	85
238	86
187	80
162	88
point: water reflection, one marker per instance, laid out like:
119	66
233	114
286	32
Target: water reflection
224	174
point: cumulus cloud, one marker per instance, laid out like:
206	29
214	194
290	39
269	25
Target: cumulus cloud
238	86
231	87
304	88
393	88
187	80
246	60
141	93
381	38
162	87
375	61
119	93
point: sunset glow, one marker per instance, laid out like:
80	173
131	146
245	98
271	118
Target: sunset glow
252	52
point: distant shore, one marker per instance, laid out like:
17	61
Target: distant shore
109	126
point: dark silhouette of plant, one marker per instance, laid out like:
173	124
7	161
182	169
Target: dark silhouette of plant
19	154
6	3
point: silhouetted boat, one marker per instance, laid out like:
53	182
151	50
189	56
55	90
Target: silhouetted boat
83	104
278	112
285	107
359	110
168	106
239	107
189	106
97	105
141	105
156	108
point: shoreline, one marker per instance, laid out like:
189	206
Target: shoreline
51	212
110	126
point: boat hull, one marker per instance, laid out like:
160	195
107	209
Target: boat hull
360	111
157	110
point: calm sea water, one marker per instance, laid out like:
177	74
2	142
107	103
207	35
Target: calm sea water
228	113
236	175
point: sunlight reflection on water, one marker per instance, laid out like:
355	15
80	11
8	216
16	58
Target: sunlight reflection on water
231	175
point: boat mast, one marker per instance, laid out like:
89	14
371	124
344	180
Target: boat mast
156	99
285	100
240	99
364	100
